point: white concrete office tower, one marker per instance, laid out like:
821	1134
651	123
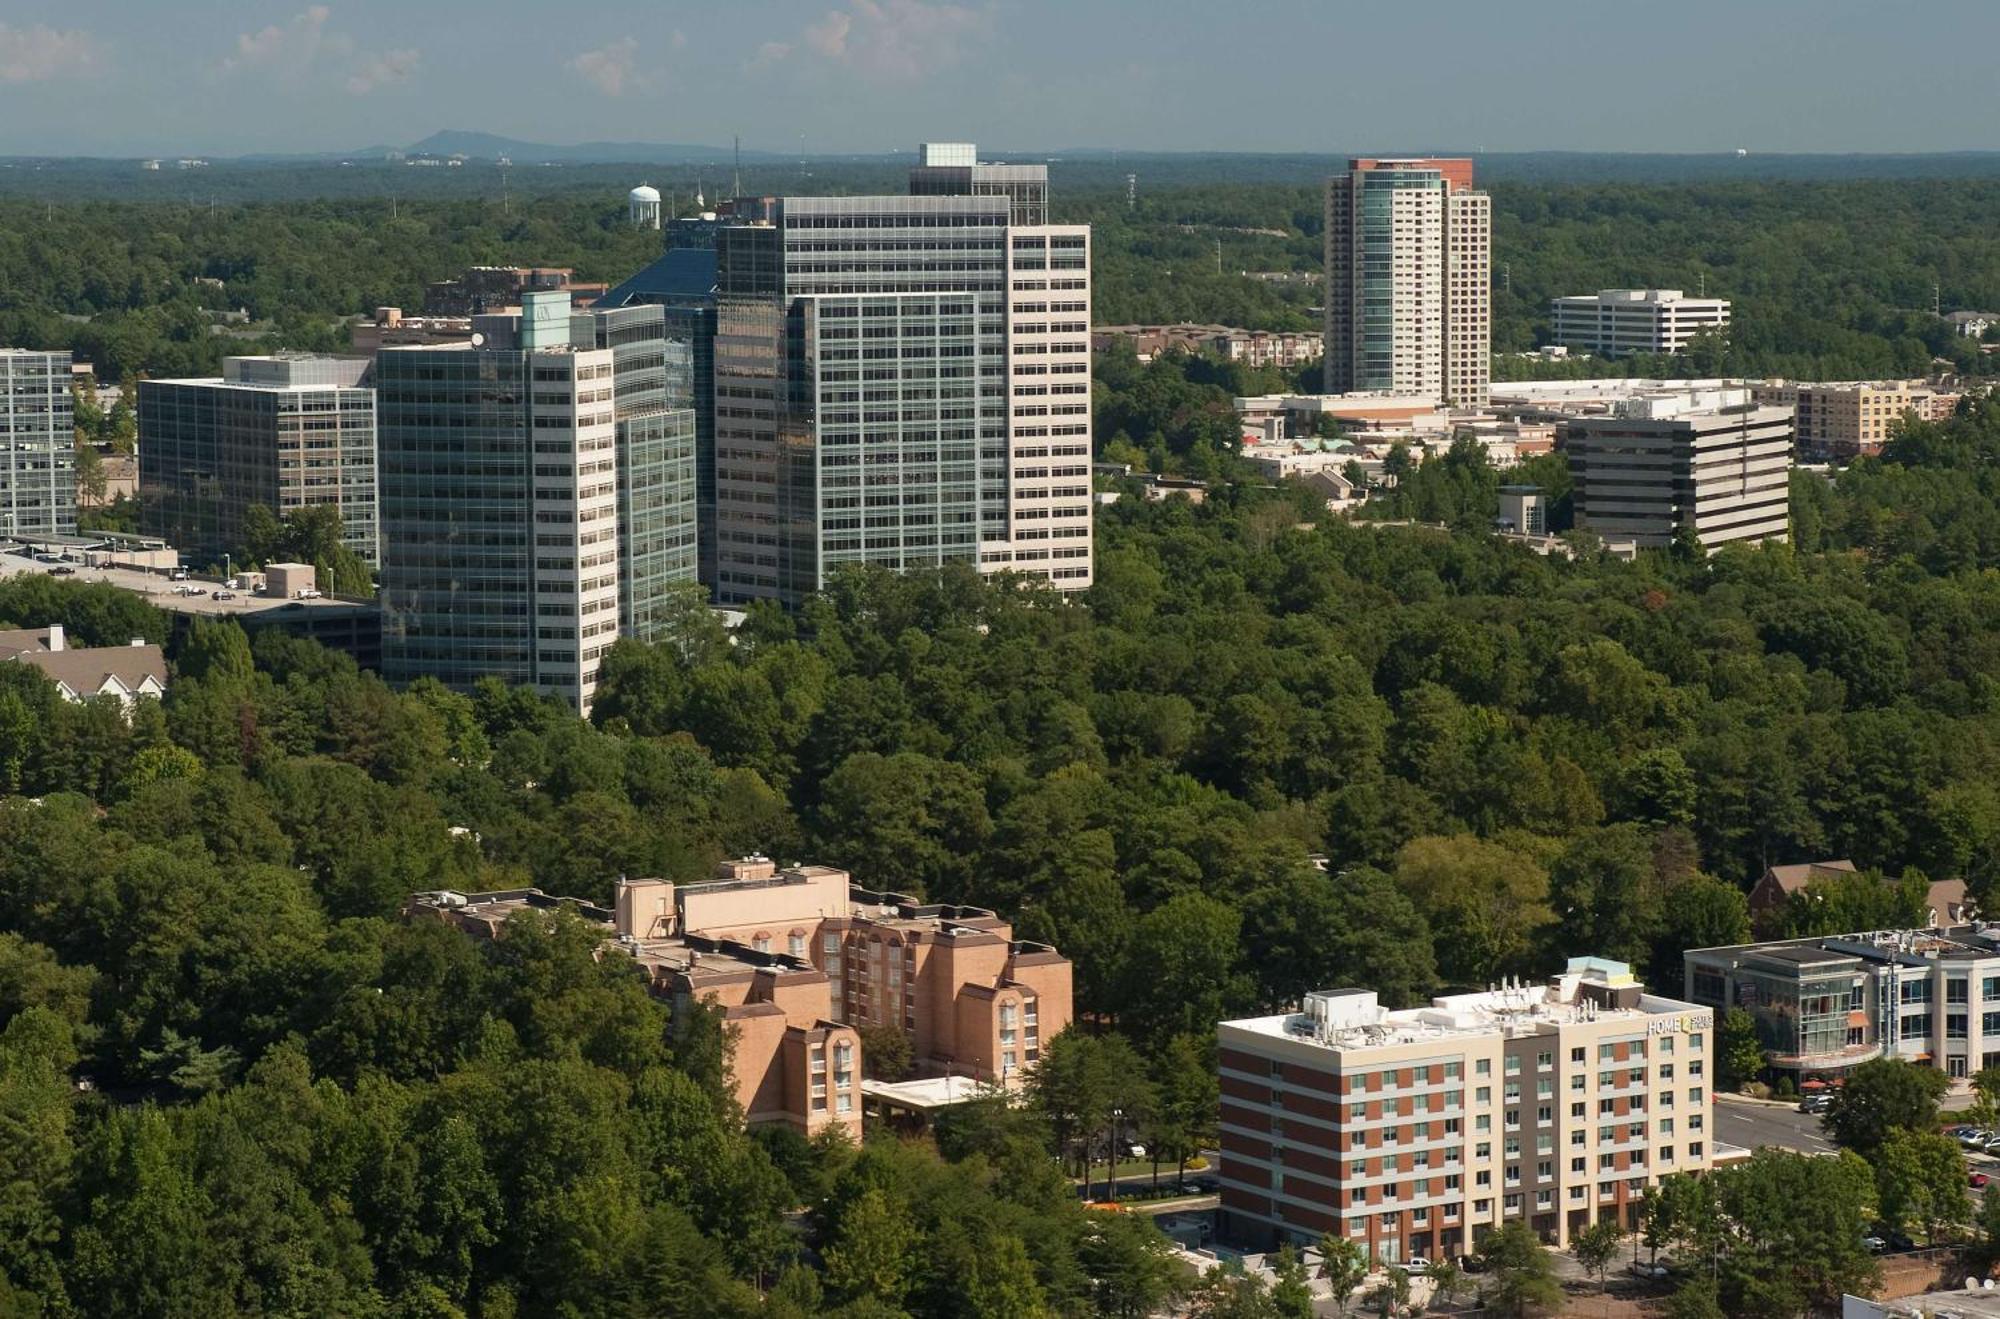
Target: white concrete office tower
286	432
37	445
1709	460
1409	303
1613	322
903	382
537	495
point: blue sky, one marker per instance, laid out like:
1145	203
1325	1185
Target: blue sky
227	76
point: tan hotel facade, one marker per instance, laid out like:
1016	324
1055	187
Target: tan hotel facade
1417	1132
798	959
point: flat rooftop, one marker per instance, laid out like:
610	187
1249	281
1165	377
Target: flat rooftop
700	957
157	590
1902	947
1353	1019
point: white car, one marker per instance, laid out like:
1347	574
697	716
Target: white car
1415	1266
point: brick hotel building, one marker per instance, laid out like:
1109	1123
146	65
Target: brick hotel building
1417	1132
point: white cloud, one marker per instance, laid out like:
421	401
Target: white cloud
372	71
612	69
306	47
829	35
294	45
32	54
771	52
899	39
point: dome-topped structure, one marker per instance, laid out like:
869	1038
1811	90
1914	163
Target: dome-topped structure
643	205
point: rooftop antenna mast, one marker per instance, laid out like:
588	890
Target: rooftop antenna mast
736	188
1131	192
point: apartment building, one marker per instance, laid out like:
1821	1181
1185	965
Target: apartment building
1614	322
1825	1005
799	959
1409	280
1255	348
1842	419
1708	460
37	445
537	495
1417	1132
285	432
903	382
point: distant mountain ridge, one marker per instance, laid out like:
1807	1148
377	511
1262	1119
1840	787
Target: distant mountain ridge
491	146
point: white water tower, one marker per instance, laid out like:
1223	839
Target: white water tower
643	205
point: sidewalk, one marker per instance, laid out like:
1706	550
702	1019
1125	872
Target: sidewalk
1752	1101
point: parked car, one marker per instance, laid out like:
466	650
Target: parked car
1979	1181
178	575
1875	1245
1971	1136
1472	1264
1416	1266
1643	1269
64	571
1815	1104
1990	1147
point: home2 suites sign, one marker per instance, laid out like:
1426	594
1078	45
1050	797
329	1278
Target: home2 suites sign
1681	1025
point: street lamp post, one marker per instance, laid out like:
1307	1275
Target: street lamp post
1111	1155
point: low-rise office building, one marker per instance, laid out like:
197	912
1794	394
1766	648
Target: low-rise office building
1614	322
1417	1132
1709	461
1825	1005
497	288
286	432
799	960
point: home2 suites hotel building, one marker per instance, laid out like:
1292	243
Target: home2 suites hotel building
1417	1132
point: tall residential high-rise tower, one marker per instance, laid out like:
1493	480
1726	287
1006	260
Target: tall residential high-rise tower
1409	307
903	381
537	492
37	444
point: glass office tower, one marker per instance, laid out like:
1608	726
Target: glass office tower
537	491
903	382
37	444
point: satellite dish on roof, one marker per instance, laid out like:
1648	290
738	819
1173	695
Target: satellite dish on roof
478	339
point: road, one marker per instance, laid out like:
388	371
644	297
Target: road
1752	1125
